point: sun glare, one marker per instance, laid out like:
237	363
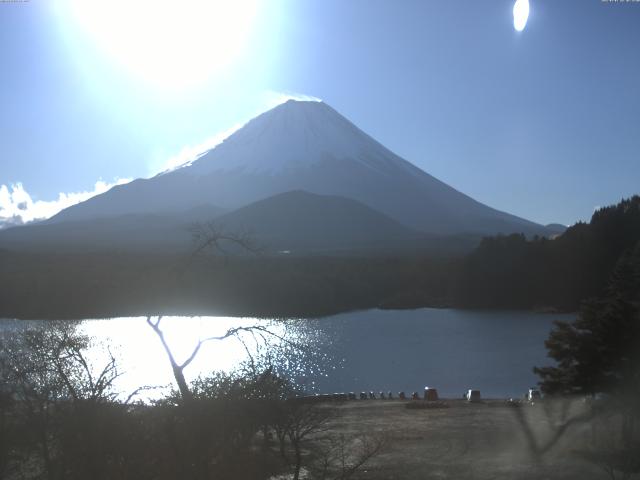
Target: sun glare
168	43
520	14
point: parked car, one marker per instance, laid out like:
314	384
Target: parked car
533	395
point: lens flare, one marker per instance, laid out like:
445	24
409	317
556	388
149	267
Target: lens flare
520	14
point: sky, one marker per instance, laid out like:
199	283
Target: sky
543	123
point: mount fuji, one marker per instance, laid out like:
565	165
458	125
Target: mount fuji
298	146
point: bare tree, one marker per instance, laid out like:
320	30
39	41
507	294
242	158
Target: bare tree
212	238
46	372
297	423
305	427
341	456
178	368
81	379
209	237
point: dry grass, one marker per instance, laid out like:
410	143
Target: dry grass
467	441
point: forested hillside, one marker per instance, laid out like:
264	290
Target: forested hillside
502	272
513	272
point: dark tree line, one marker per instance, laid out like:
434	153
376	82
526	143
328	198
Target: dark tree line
515	272
502	272
49	286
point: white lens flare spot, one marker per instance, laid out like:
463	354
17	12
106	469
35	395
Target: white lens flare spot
520	14
168	43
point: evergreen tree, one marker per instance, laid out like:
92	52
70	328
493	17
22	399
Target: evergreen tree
599	351
516	272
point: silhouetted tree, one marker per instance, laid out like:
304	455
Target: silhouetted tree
179	367
299	421
598	352
340	457
52	384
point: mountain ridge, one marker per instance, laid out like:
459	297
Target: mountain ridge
307	146
295	222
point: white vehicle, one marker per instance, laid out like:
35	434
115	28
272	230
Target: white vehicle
533	395
472	395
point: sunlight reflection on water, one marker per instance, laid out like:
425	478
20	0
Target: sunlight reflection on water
356	351
143	361
295	348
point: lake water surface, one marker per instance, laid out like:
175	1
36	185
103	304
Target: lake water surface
378	350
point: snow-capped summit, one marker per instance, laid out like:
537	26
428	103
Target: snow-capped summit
305	145
293	135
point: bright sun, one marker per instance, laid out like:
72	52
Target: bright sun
520	14
169	44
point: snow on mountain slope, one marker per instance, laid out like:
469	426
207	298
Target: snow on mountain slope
294	135
302	145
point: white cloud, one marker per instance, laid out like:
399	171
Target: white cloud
17	207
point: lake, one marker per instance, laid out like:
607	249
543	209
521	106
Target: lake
380	350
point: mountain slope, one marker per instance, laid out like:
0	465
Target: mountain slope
295	222
306	146
137	232
301	221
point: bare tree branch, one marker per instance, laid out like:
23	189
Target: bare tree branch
210	236
178	368
141	389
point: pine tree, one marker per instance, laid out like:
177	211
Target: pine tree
599	351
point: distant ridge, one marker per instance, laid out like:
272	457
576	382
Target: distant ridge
300	221
295	222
